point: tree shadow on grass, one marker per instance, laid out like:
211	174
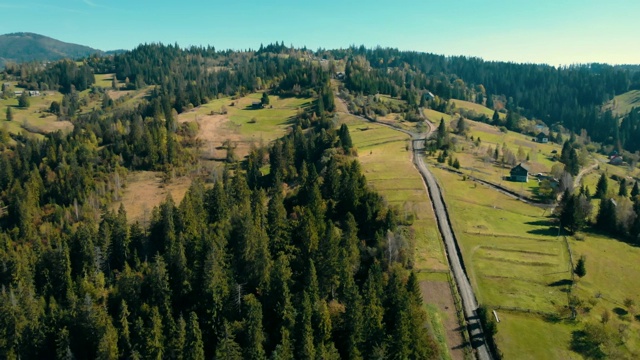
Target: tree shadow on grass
620	311
548	223
550	231
563	282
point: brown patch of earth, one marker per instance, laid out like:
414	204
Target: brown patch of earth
213	131
145	190
439	293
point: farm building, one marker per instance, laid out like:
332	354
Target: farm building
615	159
542	138
520	173
429	96
256	105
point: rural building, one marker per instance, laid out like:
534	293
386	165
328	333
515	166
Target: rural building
256	105
34	93
615	159
429	96
340	75
542	138
520	173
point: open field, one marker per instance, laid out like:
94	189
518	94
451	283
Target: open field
512	256
237	124
436	116
104	80
35	118
479	109
623	103
145	190
523	336
612	277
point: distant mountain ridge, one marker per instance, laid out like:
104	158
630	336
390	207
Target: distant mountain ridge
23	46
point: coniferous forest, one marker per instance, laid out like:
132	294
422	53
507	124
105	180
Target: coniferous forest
304	261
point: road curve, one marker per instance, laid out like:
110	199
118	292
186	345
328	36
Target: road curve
469	304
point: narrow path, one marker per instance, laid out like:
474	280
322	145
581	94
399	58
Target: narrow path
469	304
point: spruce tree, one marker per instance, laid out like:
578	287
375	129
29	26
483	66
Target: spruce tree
254	333
623	188
581	269
635	191
495	119
9	114
193	347
602	187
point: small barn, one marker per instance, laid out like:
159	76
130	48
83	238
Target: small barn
520	173
542	138
429	96
616	159
257	105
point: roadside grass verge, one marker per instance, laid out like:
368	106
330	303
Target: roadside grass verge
387	165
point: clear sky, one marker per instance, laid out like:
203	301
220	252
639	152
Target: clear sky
555	32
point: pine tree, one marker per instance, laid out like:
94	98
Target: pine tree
602	187
9	114
254	333
635	191
623	189
305	344
228	348
581	269
193	347
495	119
441	136
606	218
154	336
23	100
265	99
345	138
456	164
461	126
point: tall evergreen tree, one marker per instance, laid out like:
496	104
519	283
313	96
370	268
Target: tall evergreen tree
193	347
635	191
622	191
602	187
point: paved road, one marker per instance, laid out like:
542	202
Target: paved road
469	303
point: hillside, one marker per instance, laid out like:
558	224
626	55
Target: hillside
623	103
22	47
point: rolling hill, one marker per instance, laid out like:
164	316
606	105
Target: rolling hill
21	47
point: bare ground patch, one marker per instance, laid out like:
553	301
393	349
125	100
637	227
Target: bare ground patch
116	94
144	190
438	293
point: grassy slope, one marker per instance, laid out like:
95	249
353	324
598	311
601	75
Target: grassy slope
388	167
480	109
522	336
471	157
511	254
623	103
35	117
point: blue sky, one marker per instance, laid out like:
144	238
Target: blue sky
554	32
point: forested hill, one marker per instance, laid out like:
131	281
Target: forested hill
304	261
23	47
569	96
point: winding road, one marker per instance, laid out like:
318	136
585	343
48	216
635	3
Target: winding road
469	303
